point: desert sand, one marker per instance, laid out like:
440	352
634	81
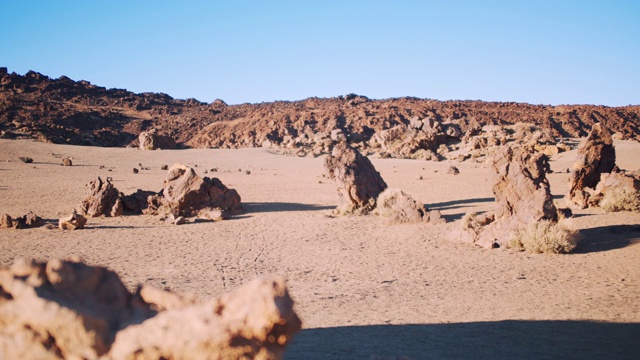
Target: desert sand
362	288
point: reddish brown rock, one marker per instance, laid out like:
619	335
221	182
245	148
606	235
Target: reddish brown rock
74	221
67	162
102	198
596	155
66	309
151	140
359	184
6	222
522	195
141	201
186	194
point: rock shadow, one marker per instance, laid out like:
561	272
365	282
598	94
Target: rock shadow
254	207
458	203
510	339
607	238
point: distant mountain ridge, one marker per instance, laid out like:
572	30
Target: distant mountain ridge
76	112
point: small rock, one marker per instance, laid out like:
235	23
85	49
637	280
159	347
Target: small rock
67	162
135	171
74	222
248	172
164	167
26	159
453	170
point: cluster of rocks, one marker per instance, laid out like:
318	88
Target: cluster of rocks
362	190
184	195
30	220
70	310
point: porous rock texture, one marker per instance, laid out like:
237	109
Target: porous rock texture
151	140
186	194
398	207
359	183
70	310
30	220
102	198
522	195
596	155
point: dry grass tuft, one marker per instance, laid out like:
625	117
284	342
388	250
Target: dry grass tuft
544	237
621	200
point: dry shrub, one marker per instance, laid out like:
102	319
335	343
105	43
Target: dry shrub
399	207
475	222
621	199
544	237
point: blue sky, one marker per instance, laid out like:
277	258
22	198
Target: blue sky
540	52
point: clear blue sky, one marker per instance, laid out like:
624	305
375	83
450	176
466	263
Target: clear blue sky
541	52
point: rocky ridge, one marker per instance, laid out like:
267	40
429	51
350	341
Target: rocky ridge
78	112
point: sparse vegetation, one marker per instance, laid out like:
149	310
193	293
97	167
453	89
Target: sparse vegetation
544	237
621	200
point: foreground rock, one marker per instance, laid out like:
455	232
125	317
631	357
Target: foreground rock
399	207
66	309
523	198
596	155
359	184
102	198
74	221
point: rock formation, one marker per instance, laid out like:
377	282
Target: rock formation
186	194
66	309
359	184
596	155
398	207
30	220
151	140
142	202
522	196
617	191
74	221
102	198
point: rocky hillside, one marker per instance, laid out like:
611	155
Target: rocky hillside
78	112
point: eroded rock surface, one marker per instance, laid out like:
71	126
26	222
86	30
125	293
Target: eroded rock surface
67	309
102	198
596	155
522	195
359	184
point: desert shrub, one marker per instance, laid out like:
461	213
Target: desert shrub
544	237
399	207
475	222
621	200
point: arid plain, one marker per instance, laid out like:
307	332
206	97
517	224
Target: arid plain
362	288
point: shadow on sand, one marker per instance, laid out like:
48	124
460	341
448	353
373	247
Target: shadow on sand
509	339
253	207
606	238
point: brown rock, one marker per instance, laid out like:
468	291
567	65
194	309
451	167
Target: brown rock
522	197
398	207
185	193
66	309
26	159
359	184
6	222
596	155
102	198
616	181
28	221
74	221
139	201
453	170
67	162
151	140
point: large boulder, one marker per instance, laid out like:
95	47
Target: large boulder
596	155
151	140
102	198
359	184
522	195
186	194
66	309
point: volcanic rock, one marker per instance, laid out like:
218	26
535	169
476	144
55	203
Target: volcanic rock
67	162
74	221
596	155
25	159
359	184
522	195
616	182
185	193
151	140
67	309
141	200
6	222
102	198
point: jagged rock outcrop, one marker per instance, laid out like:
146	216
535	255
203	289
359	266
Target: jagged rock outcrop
359	184
398	207
151	140
67	309
102	198
186	194
30	220
596	155
522	195
78	112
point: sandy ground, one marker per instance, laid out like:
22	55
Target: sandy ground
361	287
